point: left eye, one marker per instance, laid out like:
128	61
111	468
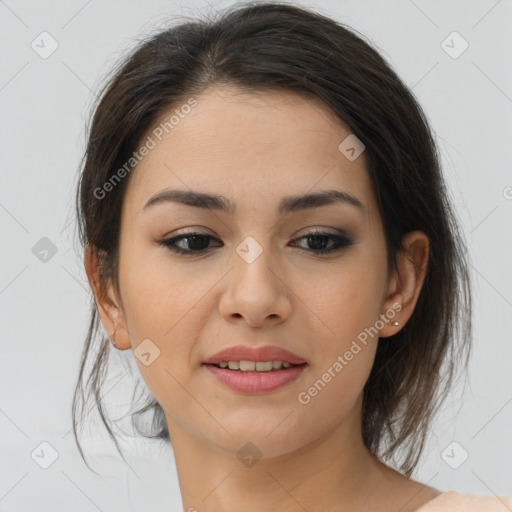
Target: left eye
198	242
317	239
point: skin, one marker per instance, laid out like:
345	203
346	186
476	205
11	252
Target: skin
254	149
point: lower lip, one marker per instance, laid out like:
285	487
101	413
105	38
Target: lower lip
256	383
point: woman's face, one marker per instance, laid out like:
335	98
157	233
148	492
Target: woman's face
259	280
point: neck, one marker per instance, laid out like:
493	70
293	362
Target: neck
333	472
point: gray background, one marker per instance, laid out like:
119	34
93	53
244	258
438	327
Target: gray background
44	305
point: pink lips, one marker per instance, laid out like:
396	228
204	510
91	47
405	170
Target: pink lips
245	353
255	382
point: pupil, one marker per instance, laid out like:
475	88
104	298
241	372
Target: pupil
319	241
193	241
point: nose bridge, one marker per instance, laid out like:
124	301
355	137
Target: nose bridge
254	262
255	289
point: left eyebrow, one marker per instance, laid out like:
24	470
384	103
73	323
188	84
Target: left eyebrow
286	205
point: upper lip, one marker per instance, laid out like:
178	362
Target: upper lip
245	353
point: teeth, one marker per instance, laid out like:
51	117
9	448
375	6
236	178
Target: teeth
263	366
251	366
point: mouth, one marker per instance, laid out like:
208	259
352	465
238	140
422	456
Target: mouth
255	366
255	377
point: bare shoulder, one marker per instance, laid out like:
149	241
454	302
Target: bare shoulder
454	500
412	496
405	494
399	493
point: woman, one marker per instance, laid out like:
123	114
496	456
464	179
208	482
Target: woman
266	225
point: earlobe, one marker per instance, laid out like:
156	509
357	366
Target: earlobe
406	284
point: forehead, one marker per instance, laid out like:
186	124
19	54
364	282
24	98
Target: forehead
249	146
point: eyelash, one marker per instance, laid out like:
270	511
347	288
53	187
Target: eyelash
342	241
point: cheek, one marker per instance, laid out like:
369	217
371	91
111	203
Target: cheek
334	394
165	305
346	346
348	304
349	299
158	294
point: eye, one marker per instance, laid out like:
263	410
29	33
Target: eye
320	239
199	242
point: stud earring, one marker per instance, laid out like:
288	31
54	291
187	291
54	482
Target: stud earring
395	323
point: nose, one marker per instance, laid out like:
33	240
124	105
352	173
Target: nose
256	292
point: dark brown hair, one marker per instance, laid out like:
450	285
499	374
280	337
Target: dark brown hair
264	46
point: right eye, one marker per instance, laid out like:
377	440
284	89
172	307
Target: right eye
198	243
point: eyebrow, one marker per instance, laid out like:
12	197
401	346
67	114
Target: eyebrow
286	205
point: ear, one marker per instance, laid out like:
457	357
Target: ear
111	314
405	285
